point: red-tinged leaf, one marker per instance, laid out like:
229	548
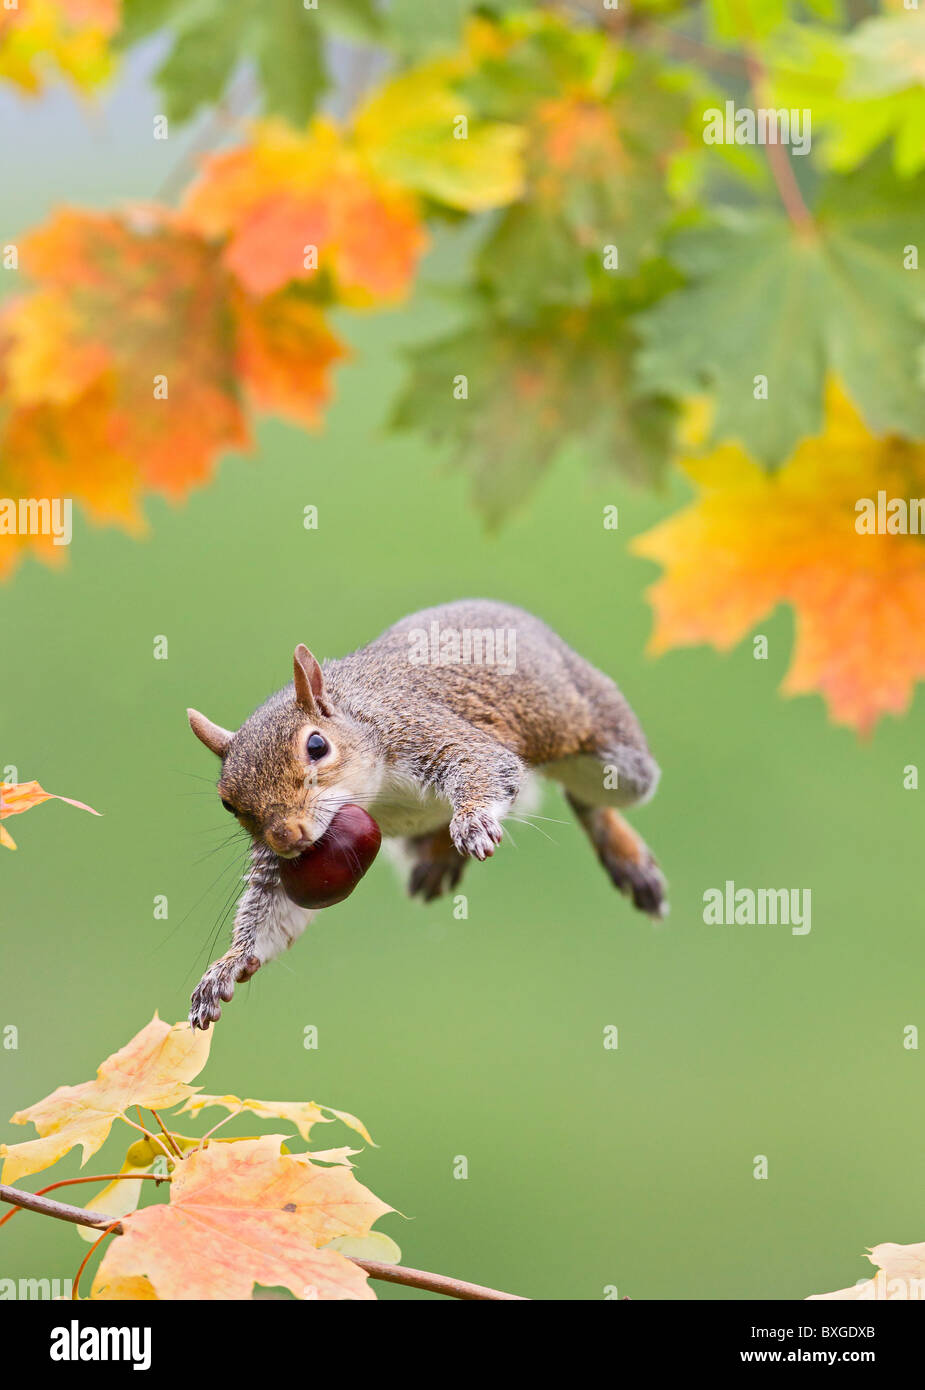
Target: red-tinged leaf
242	1214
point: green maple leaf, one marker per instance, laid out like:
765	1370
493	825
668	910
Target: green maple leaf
747	20
211	39
595	180
532	392
767	299
416	30
863	88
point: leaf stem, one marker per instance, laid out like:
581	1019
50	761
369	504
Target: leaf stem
75	1291
155	1139
167	1135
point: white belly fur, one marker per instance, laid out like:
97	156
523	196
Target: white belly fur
403	809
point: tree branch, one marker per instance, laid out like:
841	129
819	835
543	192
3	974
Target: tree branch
434	1283
389	1274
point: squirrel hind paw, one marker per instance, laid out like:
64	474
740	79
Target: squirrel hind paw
431	878
642	881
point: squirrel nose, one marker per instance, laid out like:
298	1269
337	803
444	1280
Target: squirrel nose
288	836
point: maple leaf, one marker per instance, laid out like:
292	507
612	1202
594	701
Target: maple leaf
749	20
531	391
284	353
600	127
594	180
151	1070
284	191
751	540
864	88
150	301
210	40
48	39
901	1275
416	30
16	797
303	1114
766	299
116	1198
409	133
127	301
243	1214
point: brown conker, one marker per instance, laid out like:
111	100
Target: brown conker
328	872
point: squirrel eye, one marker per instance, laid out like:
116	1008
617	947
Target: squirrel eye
228	807
317	746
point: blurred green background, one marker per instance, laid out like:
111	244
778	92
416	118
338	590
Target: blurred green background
484	1038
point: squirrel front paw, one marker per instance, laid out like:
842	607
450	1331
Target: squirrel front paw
475	833
218	984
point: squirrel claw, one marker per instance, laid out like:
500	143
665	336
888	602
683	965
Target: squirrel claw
475	833
218	984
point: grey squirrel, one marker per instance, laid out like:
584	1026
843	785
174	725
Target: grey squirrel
435	742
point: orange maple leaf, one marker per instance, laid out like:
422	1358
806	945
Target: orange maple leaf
137	362
242	1214
284	353
133	303
16	797
284	191
754	539
151	1070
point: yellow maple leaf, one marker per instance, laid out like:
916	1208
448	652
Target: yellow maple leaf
752	539
303	1114
151	1070
409	131
243	1214
44	39
900	1276
16	797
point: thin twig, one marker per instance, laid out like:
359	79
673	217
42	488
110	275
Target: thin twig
167	1135
778	159
390	1274
434	1283
100	1177
47	1206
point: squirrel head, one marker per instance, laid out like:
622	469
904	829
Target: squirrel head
293	763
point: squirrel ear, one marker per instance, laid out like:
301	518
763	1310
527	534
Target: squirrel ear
309	682
212	735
